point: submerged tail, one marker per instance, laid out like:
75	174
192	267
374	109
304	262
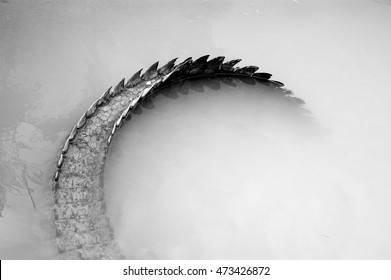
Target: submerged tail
82	228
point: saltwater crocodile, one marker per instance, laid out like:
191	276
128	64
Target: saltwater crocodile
81	227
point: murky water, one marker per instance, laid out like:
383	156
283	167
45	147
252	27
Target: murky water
222	171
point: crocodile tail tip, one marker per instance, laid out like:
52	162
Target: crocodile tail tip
263	76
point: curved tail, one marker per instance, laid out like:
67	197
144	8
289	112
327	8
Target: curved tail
82	227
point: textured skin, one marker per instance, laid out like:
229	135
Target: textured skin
82	227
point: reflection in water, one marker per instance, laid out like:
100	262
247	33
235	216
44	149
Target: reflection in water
194	169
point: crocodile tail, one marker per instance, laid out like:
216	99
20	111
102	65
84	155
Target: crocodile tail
82	228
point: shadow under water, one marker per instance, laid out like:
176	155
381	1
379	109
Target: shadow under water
272	96
187	167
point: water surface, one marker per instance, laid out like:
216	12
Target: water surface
327	195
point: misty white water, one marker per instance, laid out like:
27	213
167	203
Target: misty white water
210	173
239	172
324	190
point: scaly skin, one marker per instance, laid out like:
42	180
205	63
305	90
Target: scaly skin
82	227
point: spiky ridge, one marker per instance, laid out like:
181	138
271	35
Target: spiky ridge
82	228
